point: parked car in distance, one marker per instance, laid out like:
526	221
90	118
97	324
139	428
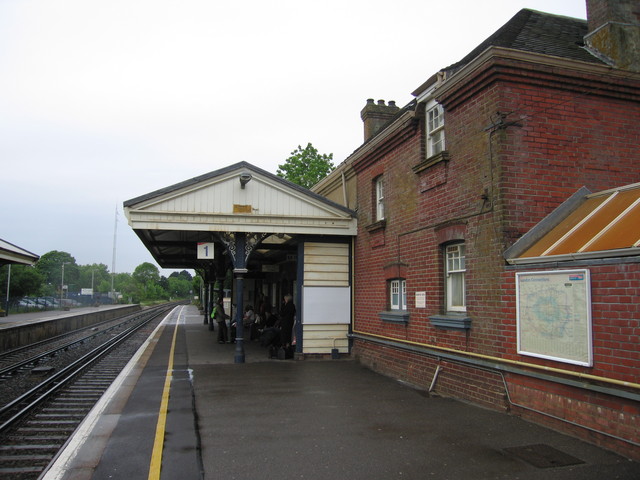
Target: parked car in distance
29	303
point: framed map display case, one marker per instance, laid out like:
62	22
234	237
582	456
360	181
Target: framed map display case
554	315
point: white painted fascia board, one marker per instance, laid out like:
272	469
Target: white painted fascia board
620	252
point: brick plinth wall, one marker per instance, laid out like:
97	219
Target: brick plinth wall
600	419
591	416
454	380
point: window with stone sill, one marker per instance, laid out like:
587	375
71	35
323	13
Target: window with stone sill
454	317
398	294
435	130
379	199
455	270
397	302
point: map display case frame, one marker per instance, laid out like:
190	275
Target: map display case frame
553	315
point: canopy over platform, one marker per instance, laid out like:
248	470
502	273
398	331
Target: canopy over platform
279	236
240	198
10	253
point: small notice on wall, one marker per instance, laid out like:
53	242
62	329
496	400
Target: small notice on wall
421	299
554	315
242	208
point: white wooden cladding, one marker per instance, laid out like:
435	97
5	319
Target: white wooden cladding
326	295
321	339
326	264
219	196
219	204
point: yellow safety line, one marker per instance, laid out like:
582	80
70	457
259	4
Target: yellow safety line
158	444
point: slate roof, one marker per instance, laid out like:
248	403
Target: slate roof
537	32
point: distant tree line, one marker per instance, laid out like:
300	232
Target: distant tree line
45	279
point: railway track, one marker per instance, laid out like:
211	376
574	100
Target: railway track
35	424
13	359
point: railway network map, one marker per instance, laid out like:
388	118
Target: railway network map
554	315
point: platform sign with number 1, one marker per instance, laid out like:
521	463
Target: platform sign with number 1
205	250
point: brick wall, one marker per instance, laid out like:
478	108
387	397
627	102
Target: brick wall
453	380
494	186
615	296
594	417
565	141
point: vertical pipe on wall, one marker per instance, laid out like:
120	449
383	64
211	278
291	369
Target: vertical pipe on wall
299	283
435	378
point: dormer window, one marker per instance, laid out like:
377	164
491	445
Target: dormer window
435	130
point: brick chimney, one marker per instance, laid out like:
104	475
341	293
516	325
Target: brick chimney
375	116
614	32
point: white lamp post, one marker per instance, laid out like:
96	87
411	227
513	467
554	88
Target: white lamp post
62	283
8	287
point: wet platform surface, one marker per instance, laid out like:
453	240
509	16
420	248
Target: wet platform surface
306	419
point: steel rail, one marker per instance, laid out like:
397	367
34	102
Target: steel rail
66	375
18	350
36	358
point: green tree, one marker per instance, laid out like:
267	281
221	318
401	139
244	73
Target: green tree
126	286
146	278
96	276
184	274
25	281
164	282
104	286
50	265
306	167
146	272
178	287
153	291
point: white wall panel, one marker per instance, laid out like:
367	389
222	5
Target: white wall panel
326	305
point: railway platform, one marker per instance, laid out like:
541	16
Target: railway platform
182	409
21	319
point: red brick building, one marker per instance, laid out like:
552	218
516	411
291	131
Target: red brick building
461	196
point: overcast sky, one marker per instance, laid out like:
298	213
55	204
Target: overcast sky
104	101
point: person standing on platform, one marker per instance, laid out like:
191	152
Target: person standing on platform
249	322
221	319
287	319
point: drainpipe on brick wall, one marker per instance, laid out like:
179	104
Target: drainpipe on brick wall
435	378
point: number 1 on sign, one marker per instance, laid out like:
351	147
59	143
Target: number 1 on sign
205	250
